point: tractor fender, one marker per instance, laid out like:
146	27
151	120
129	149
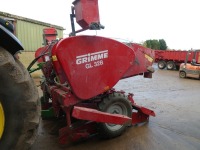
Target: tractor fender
9	41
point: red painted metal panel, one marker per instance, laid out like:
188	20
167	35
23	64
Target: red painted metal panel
49	35
62	95
76	132
86	12
50	31
177	56
139	118
144	110
93	64
39	52
57	67
98	116
144	57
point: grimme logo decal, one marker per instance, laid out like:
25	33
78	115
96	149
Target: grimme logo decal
92	59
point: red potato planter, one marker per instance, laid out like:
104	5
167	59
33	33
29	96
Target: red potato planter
79	73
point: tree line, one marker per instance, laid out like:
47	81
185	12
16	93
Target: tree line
155	44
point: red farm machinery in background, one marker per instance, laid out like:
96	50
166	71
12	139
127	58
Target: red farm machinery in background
80	73
171	59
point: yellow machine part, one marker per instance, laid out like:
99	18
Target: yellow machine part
2	120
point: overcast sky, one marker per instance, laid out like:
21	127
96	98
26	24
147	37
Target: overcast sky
175	21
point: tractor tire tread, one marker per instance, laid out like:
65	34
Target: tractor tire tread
14	74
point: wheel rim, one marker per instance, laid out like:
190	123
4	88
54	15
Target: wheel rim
2	120
182	74
117	108
170	66
161	65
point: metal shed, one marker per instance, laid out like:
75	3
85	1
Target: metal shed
30	31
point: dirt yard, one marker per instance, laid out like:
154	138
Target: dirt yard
176	126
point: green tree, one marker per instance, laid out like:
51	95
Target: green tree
156	44
163	45
148	43
153	44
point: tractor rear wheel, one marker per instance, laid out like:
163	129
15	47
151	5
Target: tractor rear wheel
115	103
19	109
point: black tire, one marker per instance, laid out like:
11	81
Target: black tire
19	98
182	74
170	65
114	102
161	64
177	67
